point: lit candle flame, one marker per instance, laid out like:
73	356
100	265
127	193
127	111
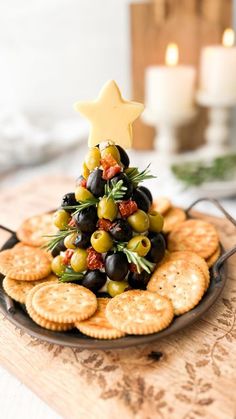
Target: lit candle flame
228	38
172	55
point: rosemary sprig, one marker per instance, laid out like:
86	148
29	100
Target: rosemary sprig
115	190
133	257
82	205
71	276
195	173
137	177
56	238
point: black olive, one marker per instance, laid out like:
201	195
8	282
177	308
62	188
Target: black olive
82	240
126	182
139	281
141	200
95	183
147	192
121	230
69	200
94	280
86	219
124	158
158	247
116	266
60	247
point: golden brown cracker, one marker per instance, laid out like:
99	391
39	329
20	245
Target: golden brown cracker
33	230
18	290
181	281
193	258
139	312
41	321
213	258
64	303
196	236
173	218
98	326
161	205
25	263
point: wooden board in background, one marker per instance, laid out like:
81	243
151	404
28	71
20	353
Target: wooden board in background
191	24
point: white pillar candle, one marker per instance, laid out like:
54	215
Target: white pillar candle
170	89
218	69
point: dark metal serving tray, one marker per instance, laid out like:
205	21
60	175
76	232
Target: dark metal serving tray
17	315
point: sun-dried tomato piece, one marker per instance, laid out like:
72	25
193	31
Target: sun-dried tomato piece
67	256
110	167
104	224
133	267
94	260
127	208
72	223
111	172
83	183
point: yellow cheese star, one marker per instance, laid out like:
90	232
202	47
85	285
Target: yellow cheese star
110	116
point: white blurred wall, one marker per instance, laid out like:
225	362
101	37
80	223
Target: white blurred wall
54	52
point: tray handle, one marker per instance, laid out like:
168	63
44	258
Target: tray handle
226	255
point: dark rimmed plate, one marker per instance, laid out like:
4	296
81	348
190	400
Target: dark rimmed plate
74	338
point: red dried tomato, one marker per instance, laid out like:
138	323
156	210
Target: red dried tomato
72	223
127	208
133	267
67	256
94	259
111	172
83	183
110	167
104	224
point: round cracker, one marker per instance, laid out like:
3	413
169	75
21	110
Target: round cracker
18	290
65	303
98	326
33	229
193	258
139	312
213	258
41	321
25	263
161	205
173	218
197	236
181	281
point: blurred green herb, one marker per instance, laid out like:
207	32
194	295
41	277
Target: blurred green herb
196	173
137	177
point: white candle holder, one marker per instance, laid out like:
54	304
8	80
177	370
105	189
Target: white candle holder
218	130
166	140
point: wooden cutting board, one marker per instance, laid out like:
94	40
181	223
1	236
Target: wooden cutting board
189	375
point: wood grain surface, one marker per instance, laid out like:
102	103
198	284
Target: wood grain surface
191	24
189	375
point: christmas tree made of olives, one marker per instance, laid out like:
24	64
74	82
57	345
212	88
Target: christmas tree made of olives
109	237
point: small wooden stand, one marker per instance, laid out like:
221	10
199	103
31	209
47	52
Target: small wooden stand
191	24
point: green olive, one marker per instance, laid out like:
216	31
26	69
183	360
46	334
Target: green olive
156	221
82	194
79	260
140	245
61	219
69	241
101	241
58	266
92	159
85	171
107	208
116	287
139	221
113	150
